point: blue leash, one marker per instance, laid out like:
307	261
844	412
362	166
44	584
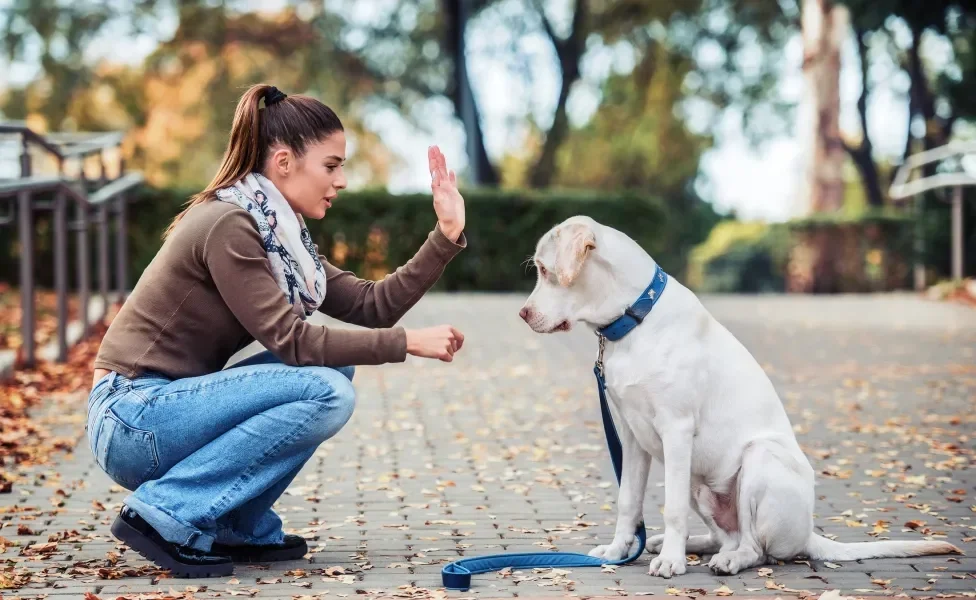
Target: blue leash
457	575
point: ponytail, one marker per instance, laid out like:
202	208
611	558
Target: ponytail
294	121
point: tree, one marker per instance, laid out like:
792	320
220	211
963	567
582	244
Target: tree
935	97
825	27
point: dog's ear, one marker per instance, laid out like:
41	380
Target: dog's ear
573	245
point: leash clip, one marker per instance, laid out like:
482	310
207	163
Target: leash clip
599	358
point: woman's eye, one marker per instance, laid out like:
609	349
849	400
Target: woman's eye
331	168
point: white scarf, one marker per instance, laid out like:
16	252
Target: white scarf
294	262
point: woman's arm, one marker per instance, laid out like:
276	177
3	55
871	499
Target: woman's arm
383	303
238	264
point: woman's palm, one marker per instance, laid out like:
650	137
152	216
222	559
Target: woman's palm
448	202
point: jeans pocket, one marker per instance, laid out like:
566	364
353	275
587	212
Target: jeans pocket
126	454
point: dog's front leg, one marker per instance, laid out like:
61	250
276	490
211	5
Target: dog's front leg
630	499
676	440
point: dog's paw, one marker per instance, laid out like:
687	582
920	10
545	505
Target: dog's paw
668	566
654	543
726	563
615	550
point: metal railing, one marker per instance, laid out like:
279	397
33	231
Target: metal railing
902	188
94	201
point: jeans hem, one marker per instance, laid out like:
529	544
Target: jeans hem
169	527
230	537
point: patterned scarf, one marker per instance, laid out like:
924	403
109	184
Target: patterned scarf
294	262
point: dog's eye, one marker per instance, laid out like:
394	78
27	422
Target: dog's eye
542	271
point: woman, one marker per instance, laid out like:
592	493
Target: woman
207	451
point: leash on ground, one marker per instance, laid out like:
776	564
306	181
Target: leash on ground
457	575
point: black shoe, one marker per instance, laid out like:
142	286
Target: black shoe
292	548
182	561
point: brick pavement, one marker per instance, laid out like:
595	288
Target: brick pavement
503	451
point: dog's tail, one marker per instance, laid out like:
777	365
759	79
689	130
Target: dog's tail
820	548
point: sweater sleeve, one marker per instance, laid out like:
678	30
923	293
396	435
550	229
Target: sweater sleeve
238	264
383	303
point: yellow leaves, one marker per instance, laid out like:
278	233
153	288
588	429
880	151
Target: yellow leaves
880	527
851	523
831	565
36	549
764	572
835	472
723	591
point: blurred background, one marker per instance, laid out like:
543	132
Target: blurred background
749	145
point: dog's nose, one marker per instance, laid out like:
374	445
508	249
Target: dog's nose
524	313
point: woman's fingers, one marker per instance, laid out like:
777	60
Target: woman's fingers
441	164
433	165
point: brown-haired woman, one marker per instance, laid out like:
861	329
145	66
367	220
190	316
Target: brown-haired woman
205	450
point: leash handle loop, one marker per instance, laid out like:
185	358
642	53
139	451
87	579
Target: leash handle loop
457	575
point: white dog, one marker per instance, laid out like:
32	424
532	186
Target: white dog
685	392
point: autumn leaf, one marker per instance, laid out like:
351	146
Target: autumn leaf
723	591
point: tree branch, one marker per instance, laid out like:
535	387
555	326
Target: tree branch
547	26
862	101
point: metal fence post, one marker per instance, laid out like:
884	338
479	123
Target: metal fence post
103	274
121	248
84	281
61	271
25	222
957	257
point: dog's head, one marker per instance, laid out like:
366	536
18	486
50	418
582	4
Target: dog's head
567	283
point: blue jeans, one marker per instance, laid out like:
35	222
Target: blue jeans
207	457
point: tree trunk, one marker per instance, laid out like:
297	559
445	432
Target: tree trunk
545	168
824	29
863	154
569	51
482	172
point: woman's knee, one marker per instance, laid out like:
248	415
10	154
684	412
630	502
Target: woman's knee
336	397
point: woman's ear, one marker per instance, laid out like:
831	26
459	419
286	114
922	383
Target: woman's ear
283	161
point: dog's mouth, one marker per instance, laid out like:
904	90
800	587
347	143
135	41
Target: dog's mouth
562	326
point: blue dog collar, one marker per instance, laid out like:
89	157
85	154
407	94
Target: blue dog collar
636	312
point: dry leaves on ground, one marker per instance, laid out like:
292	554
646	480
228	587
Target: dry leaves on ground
26	441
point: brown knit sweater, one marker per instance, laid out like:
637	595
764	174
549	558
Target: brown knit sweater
210	291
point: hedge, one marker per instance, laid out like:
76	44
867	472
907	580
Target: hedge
373	232
818	254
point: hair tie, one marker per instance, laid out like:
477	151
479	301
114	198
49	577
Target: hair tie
273	96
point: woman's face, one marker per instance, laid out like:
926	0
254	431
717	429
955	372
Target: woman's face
311	182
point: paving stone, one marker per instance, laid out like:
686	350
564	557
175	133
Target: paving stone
503	451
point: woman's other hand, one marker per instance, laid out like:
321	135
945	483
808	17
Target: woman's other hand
448	203
440	342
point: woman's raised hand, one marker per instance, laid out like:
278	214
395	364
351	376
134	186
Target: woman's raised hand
448	203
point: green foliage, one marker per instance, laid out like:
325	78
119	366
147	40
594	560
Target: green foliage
502	230
740	257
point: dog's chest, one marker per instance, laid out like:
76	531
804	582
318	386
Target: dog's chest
635	405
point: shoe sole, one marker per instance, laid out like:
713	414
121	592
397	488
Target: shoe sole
150	551
271	555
